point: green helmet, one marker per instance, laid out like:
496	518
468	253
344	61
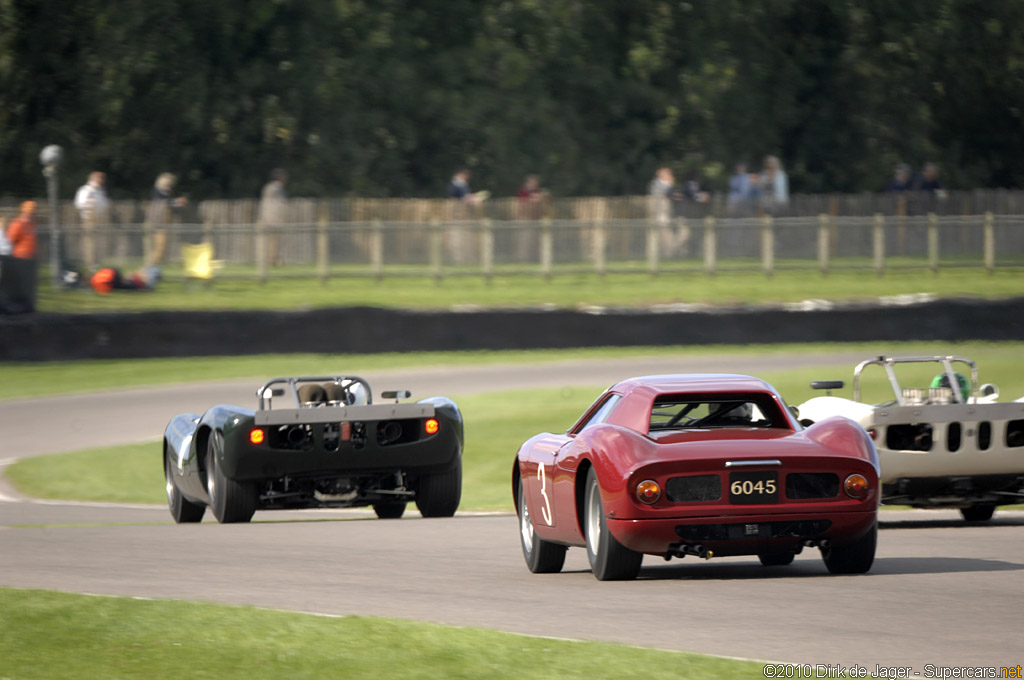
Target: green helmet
942	380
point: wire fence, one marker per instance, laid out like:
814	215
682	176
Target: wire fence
547	247
439	237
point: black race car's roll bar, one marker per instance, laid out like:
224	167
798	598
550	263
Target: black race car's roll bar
267	391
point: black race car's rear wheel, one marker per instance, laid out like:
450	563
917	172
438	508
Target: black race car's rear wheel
182	510
389	509
776	559
542	557
438	495
852	558
609	559
231	501
978	513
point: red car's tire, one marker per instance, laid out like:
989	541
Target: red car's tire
852	558
231	501
609	559
182	510
776	559
542	557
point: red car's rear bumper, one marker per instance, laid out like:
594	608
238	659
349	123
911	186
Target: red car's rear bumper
740	535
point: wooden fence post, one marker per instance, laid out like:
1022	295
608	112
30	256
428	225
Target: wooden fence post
823	243
933	242
377	249
261	252
599	246
878	243
652	248
767	245
546	248
322	244
990	243
436	250
487	249
710	246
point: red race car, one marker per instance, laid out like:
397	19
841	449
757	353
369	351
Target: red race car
706	465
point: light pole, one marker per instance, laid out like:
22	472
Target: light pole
50	157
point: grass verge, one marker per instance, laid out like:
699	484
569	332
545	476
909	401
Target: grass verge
497	424
45	634
35	379
567	290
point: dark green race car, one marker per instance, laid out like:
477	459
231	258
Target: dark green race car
315	442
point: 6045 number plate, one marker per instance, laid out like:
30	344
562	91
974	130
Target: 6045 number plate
751	487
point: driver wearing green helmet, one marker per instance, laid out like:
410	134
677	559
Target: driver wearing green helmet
942	380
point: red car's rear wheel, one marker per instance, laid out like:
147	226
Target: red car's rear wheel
609	559
852	558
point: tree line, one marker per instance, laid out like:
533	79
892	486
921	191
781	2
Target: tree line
389	97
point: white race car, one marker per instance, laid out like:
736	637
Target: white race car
950	444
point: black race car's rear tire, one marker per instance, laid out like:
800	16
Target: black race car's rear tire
438	495
389	509
230	500
182	510
609	559
776	559
978	513
542	557
852	558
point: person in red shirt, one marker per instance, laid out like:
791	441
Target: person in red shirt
22	232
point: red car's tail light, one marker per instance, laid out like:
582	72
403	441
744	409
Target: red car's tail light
648	491
432	426
256	436
856	485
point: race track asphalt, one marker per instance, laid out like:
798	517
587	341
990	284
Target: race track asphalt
941	592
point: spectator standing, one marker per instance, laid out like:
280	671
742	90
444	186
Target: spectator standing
21	233
458	186
5	245
739	189
692	190
162	207
900	180
928	181
273	210
91	198
530	197
661	197
93	207
530	206
774	186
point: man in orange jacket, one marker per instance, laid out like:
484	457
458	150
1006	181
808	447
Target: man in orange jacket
22	232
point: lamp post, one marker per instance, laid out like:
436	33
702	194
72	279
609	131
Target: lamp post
50	157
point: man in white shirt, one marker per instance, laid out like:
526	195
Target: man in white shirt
92	203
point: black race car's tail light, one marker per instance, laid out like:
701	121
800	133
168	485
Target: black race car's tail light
856	485
431	426
257	435
648	492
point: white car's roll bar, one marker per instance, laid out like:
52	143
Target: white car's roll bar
887	363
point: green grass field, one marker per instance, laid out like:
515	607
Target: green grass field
54	635
564	291
33	379
496	424
45	635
